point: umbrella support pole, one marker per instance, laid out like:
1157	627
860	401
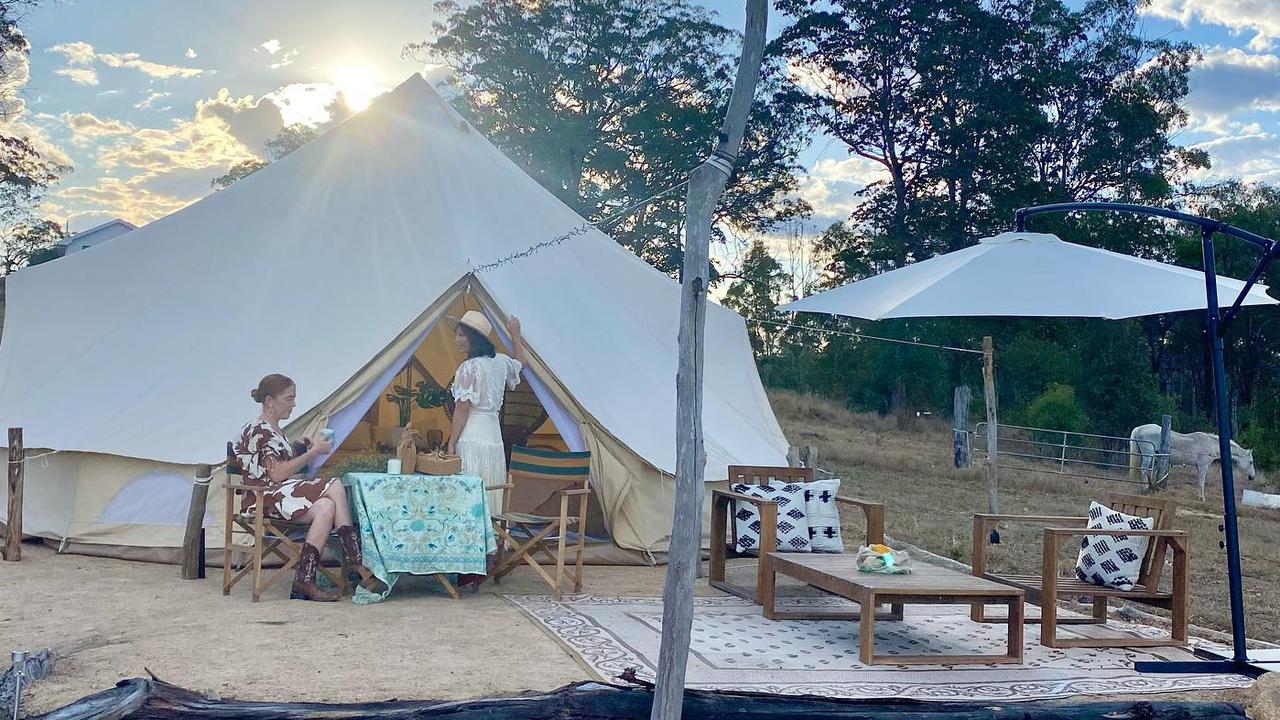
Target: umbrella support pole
1216	322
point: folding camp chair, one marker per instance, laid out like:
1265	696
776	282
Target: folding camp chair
536	480
267	536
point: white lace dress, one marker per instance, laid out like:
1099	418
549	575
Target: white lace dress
483	381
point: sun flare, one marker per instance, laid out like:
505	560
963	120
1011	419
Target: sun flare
357	81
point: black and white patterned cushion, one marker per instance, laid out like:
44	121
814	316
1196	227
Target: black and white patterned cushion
824	516
1112	561
793	520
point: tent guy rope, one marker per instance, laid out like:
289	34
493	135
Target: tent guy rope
863	337
576	231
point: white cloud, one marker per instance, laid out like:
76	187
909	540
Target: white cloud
153	171
312	104
1250	156
83	76
249	120
36	134
15	119
82	54
222	132
150	99
272	46
1261	17
113	197
78	53
436	74
191	53
86	126
286	59
15	70
1231	79
831	186
154	69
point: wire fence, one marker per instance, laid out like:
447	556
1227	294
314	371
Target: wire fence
1074	454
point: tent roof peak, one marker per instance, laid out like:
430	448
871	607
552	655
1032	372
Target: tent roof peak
1008	238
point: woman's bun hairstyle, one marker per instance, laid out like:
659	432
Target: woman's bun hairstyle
270	386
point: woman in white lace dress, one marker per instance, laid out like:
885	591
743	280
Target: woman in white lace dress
478	388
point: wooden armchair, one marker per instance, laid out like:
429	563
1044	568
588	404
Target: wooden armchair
722	520
263	536
1046	588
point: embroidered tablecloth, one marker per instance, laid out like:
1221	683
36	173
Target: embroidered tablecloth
420	524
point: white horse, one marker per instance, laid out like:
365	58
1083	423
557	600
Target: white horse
1197	448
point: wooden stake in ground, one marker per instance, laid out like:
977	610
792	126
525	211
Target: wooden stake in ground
193	540
989	395
706	185
959	426
17	458
1160	466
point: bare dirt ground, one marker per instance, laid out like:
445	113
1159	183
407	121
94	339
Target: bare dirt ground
108	620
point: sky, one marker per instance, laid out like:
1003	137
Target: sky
149	100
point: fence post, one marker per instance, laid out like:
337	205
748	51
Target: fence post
17	458
193	540
1062	457
810	457
989	393
1160	468
959	419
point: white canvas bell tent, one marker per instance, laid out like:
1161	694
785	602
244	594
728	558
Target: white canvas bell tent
331	265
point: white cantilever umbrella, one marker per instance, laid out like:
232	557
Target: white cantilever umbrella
1028	275
1039	275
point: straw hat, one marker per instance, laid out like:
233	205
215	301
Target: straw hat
476	320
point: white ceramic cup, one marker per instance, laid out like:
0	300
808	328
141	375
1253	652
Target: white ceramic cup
393	466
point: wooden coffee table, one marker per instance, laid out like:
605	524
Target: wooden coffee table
926	585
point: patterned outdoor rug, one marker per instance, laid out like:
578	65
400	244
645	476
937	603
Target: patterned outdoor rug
735	648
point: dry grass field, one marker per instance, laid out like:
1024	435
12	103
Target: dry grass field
931	504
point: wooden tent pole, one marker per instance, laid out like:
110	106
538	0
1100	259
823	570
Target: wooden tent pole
706	186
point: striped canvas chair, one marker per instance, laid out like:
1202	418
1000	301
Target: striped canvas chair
540	483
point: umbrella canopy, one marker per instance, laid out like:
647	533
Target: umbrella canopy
1028	275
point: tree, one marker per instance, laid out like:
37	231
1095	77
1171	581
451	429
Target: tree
976	108
24	178
290	138
14	49
604	102
237	172
755	296
24	174
932	93
31	245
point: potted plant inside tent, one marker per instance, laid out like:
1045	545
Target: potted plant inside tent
403	397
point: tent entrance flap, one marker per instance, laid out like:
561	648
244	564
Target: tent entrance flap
412	387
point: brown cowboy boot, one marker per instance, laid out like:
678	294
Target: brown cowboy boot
304	579
353	556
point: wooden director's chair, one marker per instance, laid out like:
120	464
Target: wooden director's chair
539	481
266	536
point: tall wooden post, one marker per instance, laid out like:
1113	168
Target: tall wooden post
1160	468
193	540
959	431
17	461
706	186
989	393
